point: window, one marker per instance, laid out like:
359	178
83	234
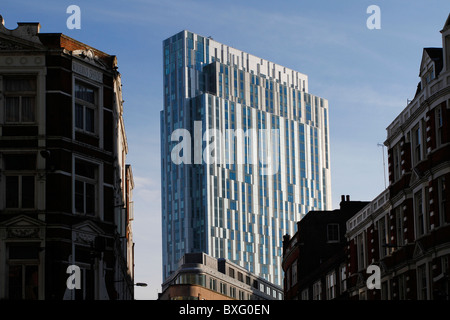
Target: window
223	288
317	291
85	107
331	285
213	284
20	99
85	187
362	295
396	161
383	236
294	272
445	271
192	278
417	144
343	278
232	292
429	76
419	213
399	226
361	251
402	287
88	278
20	181
19	191
422	282
384	290
333	232
442	201
305	294
23	265
439	125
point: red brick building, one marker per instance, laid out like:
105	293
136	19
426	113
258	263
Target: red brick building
65	188
406	230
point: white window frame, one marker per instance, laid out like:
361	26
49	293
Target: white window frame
20	95
343	278
98	187
383	236
399	225
417	143
331	285
422	291
20	184
305	294
20	174
442	203
317	290
439	121
419	213
361	250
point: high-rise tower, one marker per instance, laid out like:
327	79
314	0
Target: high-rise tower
245	154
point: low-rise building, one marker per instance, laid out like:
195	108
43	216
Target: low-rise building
202	277
314	260
65	188
406	230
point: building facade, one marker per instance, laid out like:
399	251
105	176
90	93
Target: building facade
314	258
406	229
202	277
368	238
245	154
65	187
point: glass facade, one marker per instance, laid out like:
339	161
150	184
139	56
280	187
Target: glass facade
255	158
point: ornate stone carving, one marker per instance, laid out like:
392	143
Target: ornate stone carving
23	233
7	45
84	238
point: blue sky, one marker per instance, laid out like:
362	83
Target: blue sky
366	75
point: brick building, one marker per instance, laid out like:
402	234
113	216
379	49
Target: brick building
314	260
406	230
65	188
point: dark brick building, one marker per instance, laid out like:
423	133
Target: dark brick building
65	188
314	259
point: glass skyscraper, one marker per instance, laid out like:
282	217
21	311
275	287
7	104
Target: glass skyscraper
244	154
